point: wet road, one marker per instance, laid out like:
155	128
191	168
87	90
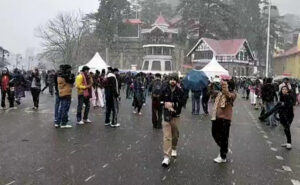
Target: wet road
34	152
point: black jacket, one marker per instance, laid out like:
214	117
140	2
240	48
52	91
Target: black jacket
268	93
175	97
286	110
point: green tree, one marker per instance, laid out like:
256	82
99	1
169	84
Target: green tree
109	17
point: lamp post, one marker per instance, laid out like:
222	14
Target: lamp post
268	40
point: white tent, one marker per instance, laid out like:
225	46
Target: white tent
96	63
213	68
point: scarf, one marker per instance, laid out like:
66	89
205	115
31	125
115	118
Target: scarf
86	81
220	102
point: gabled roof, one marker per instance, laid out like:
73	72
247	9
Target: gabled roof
161	21
292	51
222	47
163	29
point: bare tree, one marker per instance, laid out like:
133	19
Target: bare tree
62	38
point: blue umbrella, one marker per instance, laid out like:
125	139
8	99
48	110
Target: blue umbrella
195	80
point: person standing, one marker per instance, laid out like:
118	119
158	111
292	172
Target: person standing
156	89
65	81
97	92
196	102
83	85
205	99
221	118
5	89
35	79
172	97
286	114
138	94
111	91
268	94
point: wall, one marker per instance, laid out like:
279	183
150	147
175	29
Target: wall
289	64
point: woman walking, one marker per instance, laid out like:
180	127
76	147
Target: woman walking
35	87
286	114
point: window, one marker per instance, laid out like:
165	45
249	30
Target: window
157	51
156	66
149	51
166	51
203	55
146	65
168	66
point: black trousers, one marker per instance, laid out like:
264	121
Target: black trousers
10	97
220	133
205	100
110	108
35	96
83	100
248	93
286	123
156	114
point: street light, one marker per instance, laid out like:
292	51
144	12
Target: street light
268	40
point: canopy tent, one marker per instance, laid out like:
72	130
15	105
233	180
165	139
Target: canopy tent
96	63
213	68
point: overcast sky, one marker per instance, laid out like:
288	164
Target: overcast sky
19	18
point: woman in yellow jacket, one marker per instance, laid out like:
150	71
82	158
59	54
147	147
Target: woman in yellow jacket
83	84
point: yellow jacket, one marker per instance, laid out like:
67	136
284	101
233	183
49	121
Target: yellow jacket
80	84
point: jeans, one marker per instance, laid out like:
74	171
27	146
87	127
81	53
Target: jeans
109	108
116	111
83	100
220	132
205	100
56	107
35	92
195	104
9	97
271	118
63	111
156	114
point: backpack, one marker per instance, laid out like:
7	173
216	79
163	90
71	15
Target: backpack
157	89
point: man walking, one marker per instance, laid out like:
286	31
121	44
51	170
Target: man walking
269	94
172	97
221	118
83	84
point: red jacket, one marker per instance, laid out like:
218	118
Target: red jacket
5	83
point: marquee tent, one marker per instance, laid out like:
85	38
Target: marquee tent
213	68
96	63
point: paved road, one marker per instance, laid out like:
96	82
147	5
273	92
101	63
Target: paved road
34	152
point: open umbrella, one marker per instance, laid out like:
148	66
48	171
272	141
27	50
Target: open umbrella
195	80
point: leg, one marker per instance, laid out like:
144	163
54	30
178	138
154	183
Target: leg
37	97
167	141
79	107
198	105
159	121
154	114
175	132
193	104
215	130
86	101
65	110
224	138
56	108
3	93
108	110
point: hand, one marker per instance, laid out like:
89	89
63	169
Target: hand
168	105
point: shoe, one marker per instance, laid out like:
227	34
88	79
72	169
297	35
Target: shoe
140	113
166	162
220	160
80	123
66	126
134	112
87	121
174	153
117	125
287	146
106	124
56	126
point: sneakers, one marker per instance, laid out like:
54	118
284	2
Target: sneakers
287	146
87	121
106	124
140	113
115	125
134	112
220	160
166	162
56	125
174	153
66	126
80	123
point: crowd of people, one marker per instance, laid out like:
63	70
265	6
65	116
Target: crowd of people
102	90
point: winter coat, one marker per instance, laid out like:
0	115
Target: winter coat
64	88
286	110
175	97
268	93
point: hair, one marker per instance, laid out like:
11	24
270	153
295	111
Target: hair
231	85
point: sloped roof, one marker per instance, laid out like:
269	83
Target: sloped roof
134	21
292	51
222	47
161	21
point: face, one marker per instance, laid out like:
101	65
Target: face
173	82
284	90
86	72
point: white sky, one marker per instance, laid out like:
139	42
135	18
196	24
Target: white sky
19	18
